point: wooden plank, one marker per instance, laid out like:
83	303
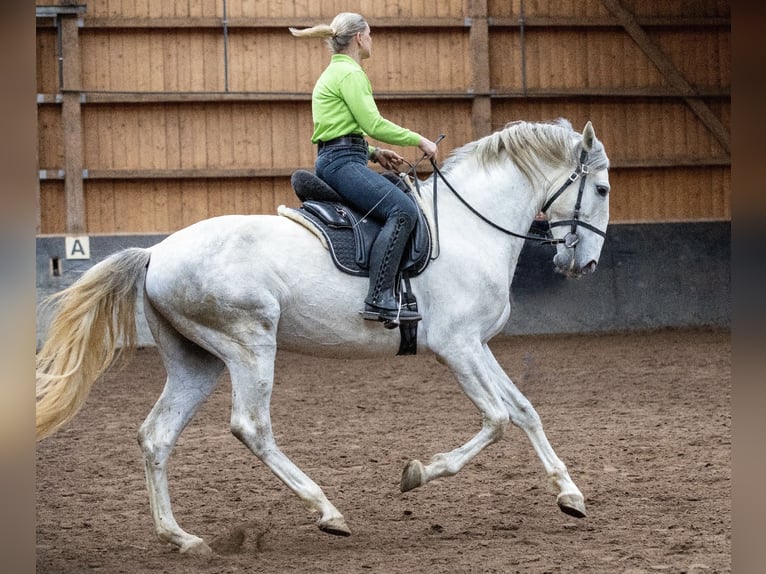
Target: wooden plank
101	212
666	67
38	213
173	137
167	22
608	22
52	208
188	173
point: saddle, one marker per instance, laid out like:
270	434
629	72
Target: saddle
349	234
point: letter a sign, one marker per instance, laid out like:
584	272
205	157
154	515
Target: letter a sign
77	247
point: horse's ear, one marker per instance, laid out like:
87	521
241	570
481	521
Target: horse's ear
588	136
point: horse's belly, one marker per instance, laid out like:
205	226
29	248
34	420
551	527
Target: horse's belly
334	330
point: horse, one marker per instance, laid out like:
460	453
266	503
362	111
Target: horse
229	291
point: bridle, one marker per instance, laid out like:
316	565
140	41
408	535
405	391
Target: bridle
570	240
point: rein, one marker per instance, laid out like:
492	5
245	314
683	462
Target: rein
570	240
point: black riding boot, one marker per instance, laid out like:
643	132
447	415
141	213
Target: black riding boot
381	303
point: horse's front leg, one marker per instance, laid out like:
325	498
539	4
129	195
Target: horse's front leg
476	377
523	415
499	401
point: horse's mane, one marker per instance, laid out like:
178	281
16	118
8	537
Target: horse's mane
531	146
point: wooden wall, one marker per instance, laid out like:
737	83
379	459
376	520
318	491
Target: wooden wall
164	113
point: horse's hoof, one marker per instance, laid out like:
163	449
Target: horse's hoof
196	547
572	504
414	475
336	527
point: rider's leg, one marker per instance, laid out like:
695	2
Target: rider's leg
344	167
381	302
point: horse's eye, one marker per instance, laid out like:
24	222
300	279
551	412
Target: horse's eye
602	190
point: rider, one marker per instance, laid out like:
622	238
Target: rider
344	112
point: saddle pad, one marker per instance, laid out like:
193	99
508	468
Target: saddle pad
339	240
349	235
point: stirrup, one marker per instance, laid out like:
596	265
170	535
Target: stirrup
391	318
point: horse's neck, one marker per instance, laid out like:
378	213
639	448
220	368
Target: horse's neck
501	194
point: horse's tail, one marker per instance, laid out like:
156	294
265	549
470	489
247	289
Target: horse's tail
92	317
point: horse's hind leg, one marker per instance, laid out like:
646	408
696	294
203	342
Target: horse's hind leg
192	375
252	377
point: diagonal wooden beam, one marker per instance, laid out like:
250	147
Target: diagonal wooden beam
671	73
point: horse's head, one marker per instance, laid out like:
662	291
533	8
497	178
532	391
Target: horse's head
567	175
578	208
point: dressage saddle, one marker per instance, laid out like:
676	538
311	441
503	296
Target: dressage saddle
350	234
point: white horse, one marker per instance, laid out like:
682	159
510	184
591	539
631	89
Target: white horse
229	291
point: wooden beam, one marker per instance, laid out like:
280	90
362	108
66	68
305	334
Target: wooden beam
448	22
105	97
108	97
245	22
73	189
208	173
670	162
608	22
38	213
71	118
671	73
478	41
254	173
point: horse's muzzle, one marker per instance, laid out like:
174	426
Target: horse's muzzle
565	263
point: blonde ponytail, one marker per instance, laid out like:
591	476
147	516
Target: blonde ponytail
338	34
320	31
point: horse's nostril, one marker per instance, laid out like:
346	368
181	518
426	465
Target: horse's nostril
589	268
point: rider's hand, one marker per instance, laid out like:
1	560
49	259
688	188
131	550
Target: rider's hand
428	148
388	159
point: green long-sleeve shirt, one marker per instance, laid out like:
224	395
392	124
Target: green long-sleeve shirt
342	104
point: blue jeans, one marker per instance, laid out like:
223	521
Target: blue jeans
344	168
